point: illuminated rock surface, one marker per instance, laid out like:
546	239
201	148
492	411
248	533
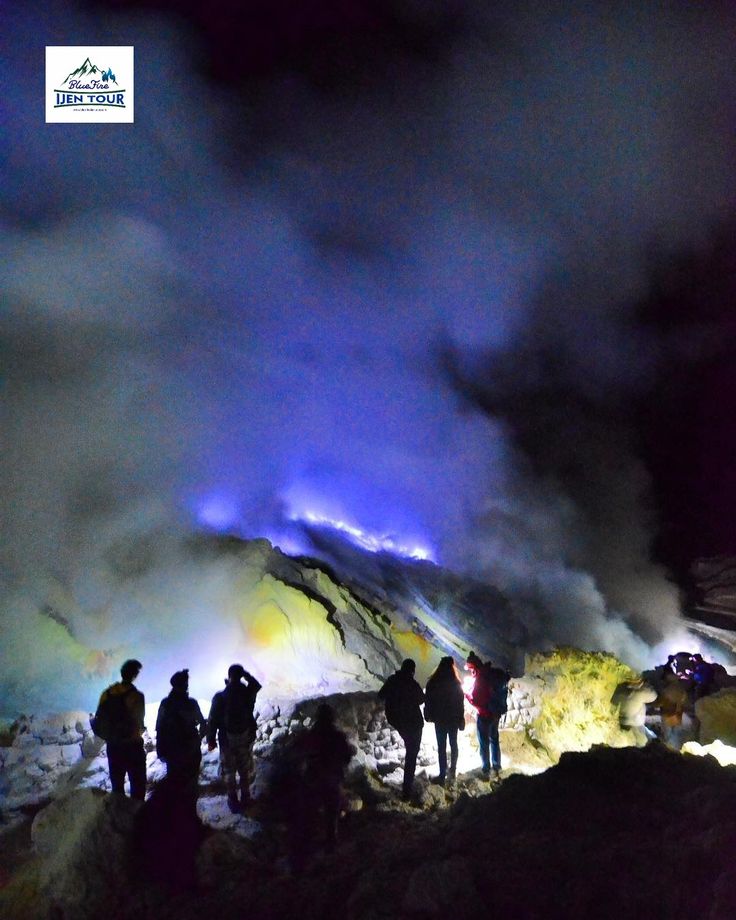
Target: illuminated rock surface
717	716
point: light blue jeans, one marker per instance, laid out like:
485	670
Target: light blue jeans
487	727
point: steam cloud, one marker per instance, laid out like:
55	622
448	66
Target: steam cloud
408	307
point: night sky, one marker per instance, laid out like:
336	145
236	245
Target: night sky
460	274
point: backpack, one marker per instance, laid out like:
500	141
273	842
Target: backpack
176	728
113	720
498	681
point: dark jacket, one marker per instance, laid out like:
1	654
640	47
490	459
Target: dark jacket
231	711
180	726
324	752
135	706
403	696
445	705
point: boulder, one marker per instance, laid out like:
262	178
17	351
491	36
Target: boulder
83	840
717	716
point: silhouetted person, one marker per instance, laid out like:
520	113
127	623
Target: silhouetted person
120	721
318	760
445	707
488	696
402	697
233	722
672	702
166	837
180	727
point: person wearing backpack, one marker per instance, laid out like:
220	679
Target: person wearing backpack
445	707
119	721
402	697
233	722
180	727
488	697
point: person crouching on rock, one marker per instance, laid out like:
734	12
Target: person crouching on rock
446	708
180	727
231	714
403	696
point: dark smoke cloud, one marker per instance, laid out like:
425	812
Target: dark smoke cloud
406	305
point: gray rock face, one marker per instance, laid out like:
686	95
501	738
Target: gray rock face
717	717
716	582
83	842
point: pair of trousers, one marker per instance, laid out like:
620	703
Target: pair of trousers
127	757
487	727
412	738
236	757
445	734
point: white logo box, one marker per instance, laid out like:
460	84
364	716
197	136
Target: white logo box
89	84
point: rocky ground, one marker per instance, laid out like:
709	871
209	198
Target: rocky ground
605	834
617	831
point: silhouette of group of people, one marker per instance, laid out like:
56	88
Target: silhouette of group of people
313	763
671	689
680	682
180	729
443	700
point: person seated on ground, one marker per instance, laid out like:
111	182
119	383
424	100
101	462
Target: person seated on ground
180	727
403	698
318	760
632	697
445	707
489	698
233	722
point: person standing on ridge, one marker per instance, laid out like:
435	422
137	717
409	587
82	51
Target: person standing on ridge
231	715
402	697
180	727
119	721
488	697
446	708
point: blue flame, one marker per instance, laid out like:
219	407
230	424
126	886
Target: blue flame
374	543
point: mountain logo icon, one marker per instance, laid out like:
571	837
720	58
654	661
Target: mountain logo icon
88	69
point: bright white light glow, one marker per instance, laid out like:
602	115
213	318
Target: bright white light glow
372	542
723	753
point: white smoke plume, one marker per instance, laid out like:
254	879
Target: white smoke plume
406	305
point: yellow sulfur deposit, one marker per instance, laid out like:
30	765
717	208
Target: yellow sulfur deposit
575	700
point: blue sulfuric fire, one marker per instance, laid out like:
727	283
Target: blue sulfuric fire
374	543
